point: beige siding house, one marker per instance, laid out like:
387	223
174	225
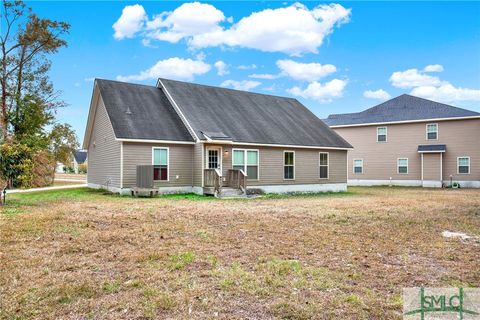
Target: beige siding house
411	141
209	140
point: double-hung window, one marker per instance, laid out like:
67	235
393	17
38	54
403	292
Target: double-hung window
382	134
432	131
402	166
463	165
358	166
246	160
323	165
289	165
160	164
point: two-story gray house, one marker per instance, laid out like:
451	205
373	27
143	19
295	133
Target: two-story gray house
413	142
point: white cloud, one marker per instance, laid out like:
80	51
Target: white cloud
247	66
173	68
447	93
267	76
222	68
433	68
148	43
305	71
270	88
379	94
430	87
244	85
188	20
323	93
413	78
130	22
294	29
89	79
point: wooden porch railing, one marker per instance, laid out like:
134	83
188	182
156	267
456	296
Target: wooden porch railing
237	179
213	178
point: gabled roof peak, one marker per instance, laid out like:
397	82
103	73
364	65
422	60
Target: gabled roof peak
402	108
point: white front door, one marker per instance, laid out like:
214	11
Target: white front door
214	158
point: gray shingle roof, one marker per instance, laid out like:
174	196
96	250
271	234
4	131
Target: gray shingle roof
432	148
401	108
141	112
250	117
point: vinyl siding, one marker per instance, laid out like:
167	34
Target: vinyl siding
103	151
197	164
380	158
180	163
306	165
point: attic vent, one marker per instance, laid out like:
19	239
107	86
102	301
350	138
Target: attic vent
128	111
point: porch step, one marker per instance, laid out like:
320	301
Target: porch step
231	193
225	192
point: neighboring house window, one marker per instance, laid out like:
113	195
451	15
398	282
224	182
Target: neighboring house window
288	165
432	131
382	134
160	164
402	166
323	165
246	160
358	166
463	164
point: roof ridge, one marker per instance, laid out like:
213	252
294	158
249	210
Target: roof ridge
229	89
403	94
445	104
124	82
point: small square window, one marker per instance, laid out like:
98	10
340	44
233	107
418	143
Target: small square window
382	134
432	131
358	166
402	166
463	164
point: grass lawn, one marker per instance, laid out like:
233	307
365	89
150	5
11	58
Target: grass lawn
81	254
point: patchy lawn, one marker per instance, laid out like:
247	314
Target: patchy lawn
75	254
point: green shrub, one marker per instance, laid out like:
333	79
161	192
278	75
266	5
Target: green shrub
82	168
24	167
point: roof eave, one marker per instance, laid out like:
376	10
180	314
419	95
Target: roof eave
91	115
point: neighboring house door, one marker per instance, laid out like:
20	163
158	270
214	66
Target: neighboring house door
214	158
432	169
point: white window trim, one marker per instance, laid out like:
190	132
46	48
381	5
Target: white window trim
245	161
294	163
363	170
398	166
426	131
168	161
220	156
328	165
386	134
458	165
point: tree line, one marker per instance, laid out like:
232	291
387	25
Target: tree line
31	139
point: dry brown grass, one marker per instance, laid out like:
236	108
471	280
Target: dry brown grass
78	254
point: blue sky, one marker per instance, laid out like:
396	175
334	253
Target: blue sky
333	58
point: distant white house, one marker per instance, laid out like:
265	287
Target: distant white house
79	157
